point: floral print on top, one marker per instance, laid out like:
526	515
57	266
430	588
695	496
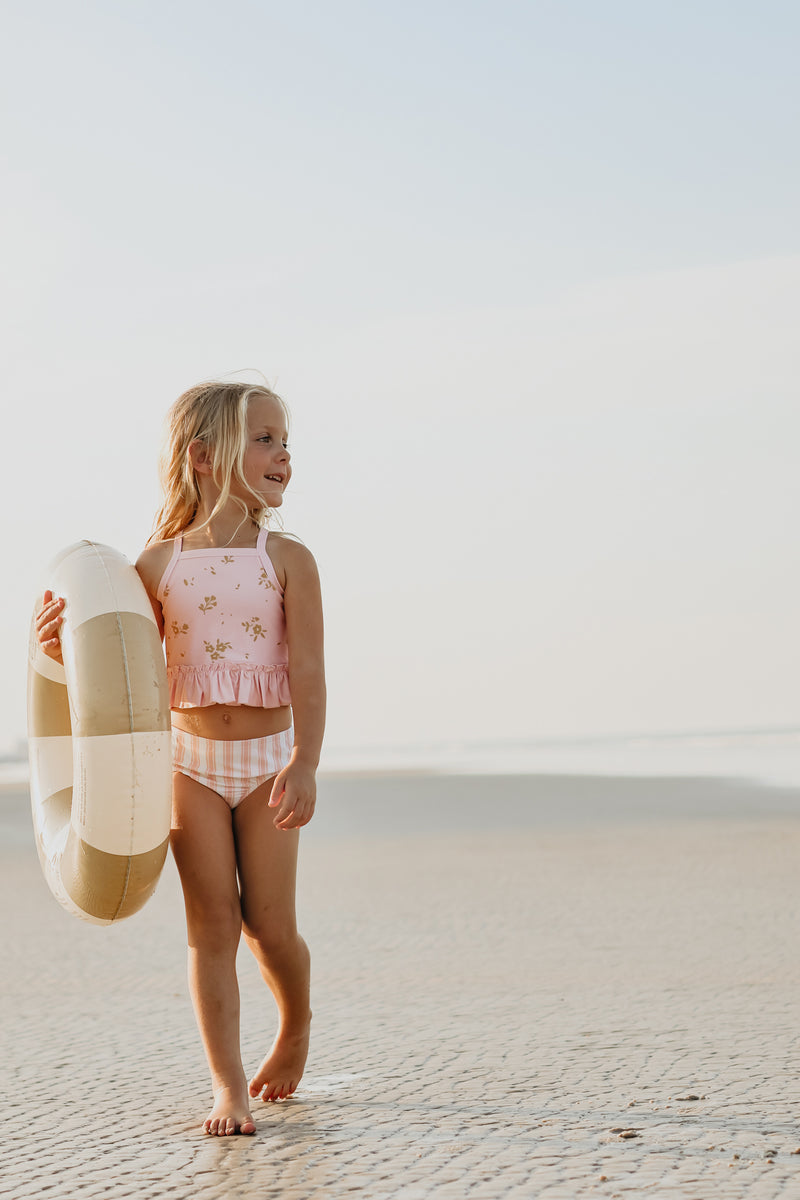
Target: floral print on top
224	628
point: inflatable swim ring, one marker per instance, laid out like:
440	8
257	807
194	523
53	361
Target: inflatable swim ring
99	739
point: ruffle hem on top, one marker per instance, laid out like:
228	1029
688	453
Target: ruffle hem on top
228	683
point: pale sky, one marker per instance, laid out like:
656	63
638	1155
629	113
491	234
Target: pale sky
527	275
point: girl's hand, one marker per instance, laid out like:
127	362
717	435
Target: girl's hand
294	794
48	624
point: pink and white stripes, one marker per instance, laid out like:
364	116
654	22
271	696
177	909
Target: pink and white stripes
232	769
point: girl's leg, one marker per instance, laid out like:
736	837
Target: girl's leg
204	850
267	859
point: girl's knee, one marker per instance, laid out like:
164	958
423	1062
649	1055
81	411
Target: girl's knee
273	939
213	928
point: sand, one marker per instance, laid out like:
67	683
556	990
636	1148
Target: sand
523	987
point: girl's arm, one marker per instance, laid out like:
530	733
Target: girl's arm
294	791
151	565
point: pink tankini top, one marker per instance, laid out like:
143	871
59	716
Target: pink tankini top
224	627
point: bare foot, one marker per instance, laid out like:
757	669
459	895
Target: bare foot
282	1069
229	1115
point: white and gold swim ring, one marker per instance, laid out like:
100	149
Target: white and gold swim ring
99	739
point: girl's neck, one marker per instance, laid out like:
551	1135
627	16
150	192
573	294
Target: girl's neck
231	527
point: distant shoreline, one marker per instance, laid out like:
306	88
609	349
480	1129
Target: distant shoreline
768	755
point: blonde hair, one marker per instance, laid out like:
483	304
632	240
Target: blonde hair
214	413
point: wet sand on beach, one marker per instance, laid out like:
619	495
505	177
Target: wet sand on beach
519	983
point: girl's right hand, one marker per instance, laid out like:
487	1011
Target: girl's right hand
48	623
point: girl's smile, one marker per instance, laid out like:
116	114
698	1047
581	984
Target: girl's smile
267	467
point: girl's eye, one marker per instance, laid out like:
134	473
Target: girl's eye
265	438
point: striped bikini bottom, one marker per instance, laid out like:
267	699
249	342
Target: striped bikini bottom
232	769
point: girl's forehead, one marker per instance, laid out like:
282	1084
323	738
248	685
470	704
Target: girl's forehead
266	411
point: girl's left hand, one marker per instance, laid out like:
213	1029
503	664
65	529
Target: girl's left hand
294	794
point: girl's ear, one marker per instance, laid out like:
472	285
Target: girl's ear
200	457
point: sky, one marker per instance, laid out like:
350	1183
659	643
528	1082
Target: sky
526	274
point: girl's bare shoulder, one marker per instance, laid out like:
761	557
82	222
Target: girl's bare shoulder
289	556
152	563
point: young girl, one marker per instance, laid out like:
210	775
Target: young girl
240	611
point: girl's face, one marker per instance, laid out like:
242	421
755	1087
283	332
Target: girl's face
267	460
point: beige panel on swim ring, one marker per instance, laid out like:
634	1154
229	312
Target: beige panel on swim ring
103	698
99	739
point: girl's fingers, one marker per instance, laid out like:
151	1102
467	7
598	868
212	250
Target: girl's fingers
297	817
278	789
48	632
281	818
50	610
286	821
48	622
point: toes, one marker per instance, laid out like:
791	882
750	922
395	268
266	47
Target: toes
228	1126
269	1092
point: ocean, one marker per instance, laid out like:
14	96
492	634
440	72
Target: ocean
769	756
